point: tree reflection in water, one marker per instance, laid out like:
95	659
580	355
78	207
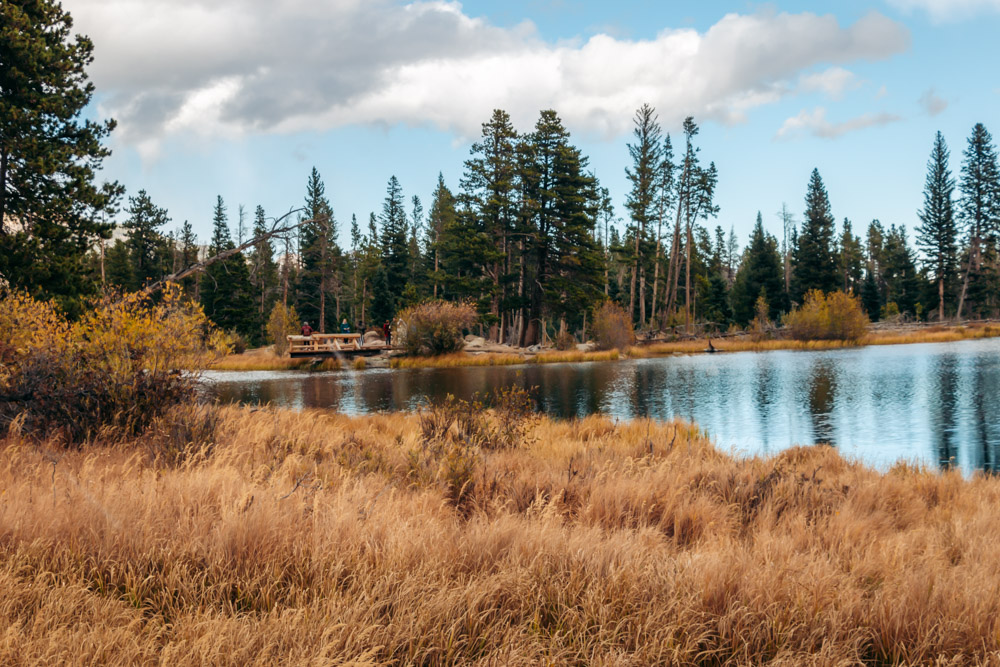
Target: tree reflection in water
935	404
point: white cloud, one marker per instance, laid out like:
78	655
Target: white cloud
931	103
232	67
948	10
833	82
814	122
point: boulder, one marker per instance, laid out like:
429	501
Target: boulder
534	348
586	347
372	338
475	341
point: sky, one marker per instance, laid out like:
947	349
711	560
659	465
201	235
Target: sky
241	98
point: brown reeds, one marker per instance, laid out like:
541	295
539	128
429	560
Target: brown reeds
241	536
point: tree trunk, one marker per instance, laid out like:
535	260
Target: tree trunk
687	280
3	192
635	277
973	251
523	312
656	267
364	295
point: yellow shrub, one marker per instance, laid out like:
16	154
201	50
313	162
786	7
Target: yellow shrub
833	316
116	368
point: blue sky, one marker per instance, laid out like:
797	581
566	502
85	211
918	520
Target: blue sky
242	97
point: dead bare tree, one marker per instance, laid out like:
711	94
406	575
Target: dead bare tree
276	230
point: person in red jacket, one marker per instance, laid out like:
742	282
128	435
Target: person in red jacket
306	329
387	332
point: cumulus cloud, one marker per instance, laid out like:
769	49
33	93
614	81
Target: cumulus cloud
931	103
948	10
833	82
232	67
815	123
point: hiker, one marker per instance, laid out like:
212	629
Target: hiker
387	332
345	328
306	329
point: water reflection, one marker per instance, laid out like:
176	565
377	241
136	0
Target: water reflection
935	404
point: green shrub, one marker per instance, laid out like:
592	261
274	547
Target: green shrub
612	327
433	327
833	316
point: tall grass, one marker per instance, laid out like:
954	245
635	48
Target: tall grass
235	536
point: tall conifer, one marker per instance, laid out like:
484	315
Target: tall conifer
937	233
815	255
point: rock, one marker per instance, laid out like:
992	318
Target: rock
586	347
475	341
534	349
372	338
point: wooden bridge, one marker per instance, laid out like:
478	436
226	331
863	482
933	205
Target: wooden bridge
332	345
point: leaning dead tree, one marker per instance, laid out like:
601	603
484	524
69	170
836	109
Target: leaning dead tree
277	229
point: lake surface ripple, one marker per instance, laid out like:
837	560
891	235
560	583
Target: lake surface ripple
936	404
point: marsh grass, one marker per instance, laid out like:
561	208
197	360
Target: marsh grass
240	536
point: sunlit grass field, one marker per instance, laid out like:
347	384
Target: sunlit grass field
249	536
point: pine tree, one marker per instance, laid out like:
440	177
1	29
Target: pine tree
760	272
487	192
979	211
850	259
225	285
871	300
899	271
815	256
395	248
645	177
145	240
51	210
442	217
319	255
937	233
263	273
188	242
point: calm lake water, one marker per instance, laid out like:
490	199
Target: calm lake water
936	403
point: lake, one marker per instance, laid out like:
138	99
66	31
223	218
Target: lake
936	404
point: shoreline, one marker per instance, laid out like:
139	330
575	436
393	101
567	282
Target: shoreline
497	355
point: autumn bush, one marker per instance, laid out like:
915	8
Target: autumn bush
433	327
612	327
282	322
833	316
114	370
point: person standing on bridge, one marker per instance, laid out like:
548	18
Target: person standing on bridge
345	328
306	329
387	332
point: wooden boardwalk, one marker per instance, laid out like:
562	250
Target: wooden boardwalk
332	345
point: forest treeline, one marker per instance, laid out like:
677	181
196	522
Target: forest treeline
532	238
528	234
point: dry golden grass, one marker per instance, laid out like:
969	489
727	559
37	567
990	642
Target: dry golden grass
270	362
311	538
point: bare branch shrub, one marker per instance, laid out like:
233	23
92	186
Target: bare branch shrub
612	327
434	327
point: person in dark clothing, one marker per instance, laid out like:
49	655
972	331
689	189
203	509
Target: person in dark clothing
387	332
306	329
